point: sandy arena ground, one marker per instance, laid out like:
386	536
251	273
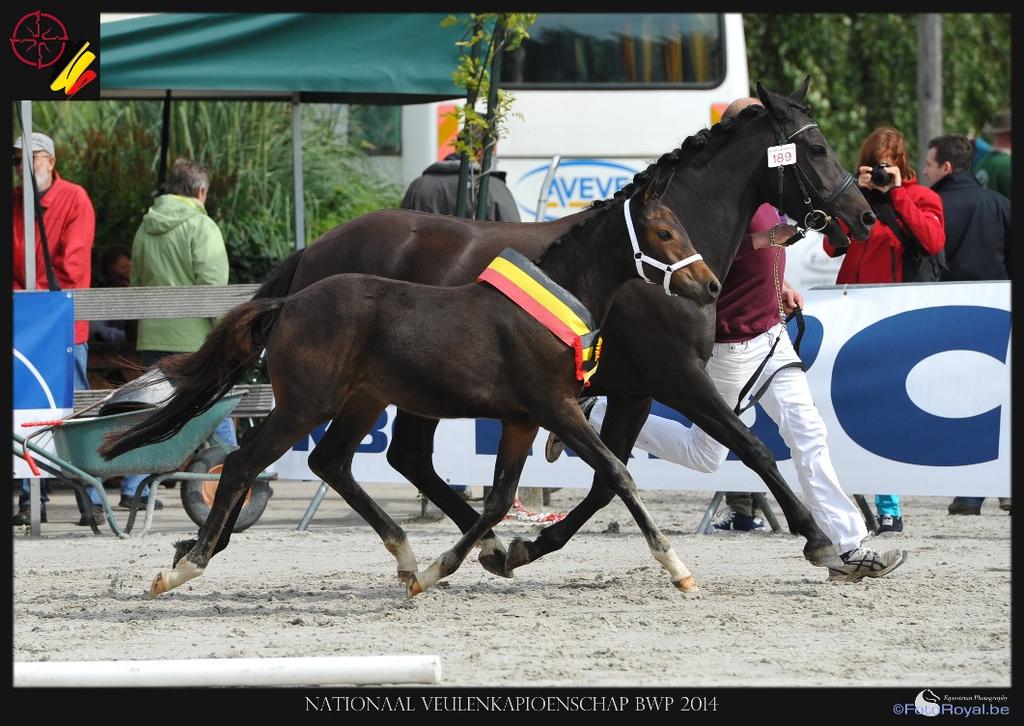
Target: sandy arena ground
600	612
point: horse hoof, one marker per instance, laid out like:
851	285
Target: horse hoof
686	584
496	563
824	556
158	587
518	555
406	576
413	587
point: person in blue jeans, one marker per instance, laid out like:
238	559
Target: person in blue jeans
972	505
177	244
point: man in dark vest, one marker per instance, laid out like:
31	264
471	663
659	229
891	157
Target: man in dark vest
977	234
977	219
437	190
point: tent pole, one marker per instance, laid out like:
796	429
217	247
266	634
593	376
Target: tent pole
165	143
300	221
28	209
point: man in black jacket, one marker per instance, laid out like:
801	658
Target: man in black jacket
438	188
977	235
977	219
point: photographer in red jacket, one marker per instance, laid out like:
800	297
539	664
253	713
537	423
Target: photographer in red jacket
890	187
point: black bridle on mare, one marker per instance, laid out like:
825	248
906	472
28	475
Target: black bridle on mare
815	219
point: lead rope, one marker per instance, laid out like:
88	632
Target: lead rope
755	397
775	271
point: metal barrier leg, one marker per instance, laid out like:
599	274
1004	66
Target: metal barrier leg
314	504
34	508
869	515
705	523
762	503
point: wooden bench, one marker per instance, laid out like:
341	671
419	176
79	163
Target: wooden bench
151	303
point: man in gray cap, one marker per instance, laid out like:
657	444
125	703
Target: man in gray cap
993	169
66	214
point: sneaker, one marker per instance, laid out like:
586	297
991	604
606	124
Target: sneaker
889	524
959	506
735	521
555	446
861	563
126	503
24	516
100	517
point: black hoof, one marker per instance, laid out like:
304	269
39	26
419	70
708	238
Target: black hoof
518	554
496	563
181	549
822	555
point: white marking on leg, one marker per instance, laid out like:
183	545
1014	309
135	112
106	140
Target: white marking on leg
407	564
429	577
671	562
184	571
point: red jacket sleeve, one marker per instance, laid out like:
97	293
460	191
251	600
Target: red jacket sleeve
72	261
921	210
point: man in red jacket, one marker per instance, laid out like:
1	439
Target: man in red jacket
70	224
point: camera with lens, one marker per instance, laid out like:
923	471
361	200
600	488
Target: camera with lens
879	176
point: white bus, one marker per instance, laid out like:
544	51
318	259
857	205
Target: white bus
607	92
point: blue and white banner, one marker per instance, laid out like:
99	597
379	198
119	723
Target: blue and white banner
913	382
43	362
577	183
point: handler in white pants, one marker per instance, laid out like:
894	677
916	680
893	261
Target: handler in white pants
788	401
748	318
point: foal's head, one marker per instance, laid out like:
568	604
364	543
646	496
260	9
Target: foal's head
662	235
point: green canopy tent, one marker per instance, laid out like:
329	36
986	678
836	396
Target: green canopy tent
379	58
347	57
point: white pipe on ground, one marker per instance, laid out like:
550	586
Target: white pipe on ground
358	670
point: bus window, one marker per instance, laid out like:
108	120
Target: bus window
606	50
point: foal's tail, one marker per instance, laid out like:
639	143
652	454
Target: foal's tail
280	281
202	378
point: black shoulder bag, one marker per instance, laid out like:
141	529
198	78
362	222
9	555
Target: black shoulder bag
918	265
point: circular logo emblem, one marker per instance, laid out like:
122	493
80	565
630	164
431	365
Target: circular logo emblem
39	39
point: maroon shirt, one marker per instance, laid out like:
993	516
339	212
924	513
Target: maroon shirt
748	304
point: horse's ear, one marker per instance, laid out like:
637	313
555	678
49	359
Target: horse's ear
764	95
801	93
648	194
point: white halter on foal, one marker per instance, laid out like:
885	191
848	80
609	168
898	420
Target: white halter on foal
640	258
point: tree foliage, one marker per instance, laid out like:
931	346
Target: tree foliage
863	69
473	74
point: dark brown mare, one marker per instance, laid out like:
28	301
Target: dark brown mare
713	182
344	348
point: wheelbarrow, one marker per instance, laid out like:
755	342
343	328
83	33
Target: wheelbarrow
193	457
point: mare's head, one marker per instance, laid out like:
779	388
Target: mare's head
816	186
664	254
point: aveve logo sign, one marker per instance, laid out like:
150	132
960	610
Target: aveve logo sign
576	184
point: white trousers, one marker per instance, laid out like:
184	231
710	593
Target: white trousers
788	402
